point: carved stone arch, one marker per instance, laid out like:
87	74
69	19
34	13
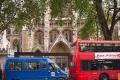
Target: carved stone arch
38	51
38	37
37	48
68	34
53	35
60	47
16	44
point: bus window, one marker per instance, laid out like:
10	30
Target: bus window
32	66
85	65
94	65
51	66
108	64
16	66
11	66
83	47
44	66
99	47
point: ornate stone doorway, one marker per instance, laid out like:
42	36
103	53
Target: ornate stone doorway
60	47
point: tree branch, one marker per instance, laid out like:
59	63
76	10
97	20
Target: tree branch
118	10
101	18
117	20
108	14
113	16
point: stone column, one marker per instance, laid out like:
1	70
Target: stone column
74	34
74	25
11	51
46	27
31	40
25	40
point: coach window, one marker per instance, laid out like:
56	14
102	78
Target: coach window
15	66
11	66
44	66
32	66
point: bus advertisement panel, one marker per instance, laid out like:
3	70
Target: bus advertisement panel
95	60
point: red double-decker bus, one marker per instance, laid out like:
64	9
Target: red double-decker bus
95	60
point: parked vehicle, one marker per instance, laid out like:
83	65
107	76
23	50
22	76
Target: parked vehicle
32	69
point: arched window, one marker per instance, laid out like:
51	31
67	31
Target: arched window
16	45
53	35
68	35
39	37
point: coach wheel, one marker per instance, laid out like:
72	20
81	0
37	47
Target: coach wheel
104	77
61	78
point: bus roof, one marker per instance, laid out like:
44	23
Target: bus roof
97	41
29	59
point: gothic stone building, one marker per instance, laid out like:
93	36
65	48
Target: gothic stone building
52	39
42	39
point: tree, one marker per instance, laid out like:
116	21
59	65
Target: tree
20	13
104	12
107	28
31	12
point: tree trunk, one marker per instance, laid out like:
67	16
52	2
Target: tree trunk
102	21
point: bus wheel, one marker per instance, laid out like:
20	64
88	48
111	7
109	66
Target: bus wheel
104	77
61	78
